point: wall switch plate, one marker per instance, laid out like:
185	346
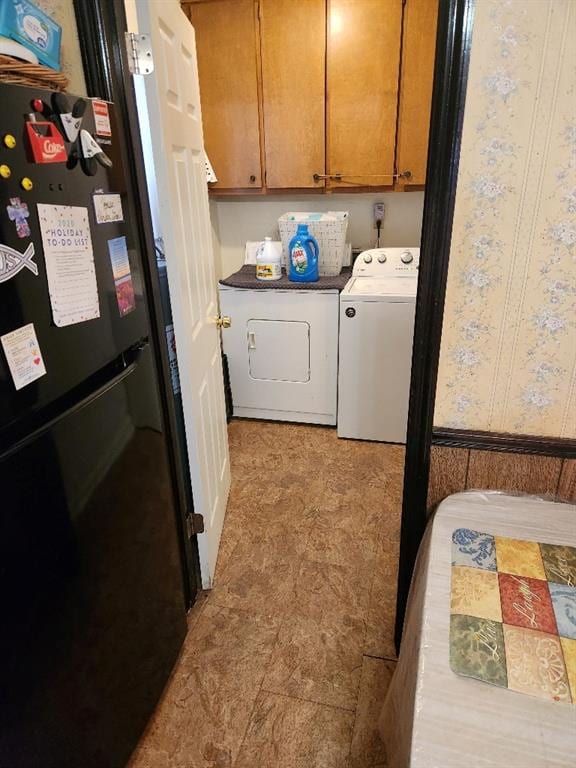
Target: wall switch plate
378	214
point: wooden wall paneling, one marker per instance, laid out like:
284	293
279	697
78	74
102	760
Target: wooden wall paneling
363	64
293	45
513	472
448	470
567	482
227	46
416	79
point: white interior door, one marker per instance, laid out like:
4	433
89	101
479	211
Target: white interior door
173	107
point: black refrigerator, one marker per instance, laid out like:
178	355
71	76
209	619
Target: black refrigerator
91	582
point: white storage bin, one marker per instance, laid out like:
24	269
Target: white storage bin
329	229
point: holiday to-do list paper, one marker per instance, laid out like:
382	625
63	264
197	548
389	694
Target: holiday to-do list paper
513	614
69	263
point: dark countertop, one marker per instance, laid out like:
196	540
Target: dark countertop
246	278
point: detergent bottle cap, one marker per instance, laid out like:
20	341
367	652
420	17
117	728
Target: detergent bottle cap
302	229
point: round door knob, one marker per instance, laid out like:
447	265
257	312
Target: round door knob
252	178
382	258
406	257
367	258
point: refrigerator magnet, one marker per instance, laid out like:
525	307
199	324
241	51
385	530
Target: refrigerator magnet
18	213
12	261
23	355
101	118
122	275
108	209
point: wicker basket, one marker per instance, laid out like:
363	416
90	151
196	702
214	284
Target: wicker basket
23	73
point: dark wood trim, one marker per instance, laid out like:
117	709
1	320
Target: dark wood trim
453	42
502	441
94	48
101	26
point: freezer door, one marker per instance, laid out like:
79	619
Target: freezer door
91	589
73	352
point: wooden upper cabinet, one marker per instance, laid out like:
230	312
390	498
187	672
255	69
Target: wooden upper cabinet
363	65
293	44
227	47
294	88
419	49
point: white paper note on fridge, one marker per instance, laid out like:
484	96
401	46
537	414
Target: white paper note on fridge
69	263
23	355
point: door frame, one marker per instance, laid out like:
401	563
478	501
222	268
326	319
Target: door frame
453	44
101	28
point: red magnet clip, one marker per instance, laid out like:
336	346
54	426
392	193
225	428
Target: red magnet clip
46	142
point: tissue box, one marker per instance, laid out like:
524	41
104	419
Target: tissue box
22	21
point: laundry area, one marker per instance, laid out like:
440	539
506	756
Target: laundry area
307	270
315	285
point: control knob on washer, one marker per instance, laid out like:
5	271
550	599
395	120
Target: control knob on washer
367	258
381	258
406	257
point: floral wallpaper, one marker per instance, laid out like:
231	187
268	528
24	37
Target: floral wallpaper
508	356
62	11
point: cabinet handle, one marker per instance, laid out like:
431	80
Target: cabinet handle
331	176
341	176
251	340
252	178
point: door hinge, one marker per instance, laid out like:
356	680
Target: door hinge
194	524
139	50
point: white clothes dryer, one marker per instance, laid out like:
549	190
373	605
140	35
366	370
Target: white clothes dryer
377	309
282	348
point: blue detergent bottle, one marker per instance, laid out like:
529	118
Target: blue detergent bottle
303	253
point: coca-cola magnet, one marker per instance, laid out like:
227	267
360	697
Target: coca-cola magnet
46	142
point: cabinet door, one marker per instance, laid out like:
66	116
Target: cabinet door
362	78
226	42
293	83
416	81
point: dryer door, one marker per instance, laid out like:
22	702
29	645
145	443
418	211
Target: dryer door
279	350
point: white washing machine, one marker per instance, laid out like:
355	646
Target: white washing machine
282	349
377	309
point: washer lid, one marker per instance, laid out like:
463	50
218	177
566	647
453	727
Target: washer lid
397	288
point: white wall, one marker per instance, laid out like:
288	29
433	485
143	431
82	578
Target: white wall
240	219
62	11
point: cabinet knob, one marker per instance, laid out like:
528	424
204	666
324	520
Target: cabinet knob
252	178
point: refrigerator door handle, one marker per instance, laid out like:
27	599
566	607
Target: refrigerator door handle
128	359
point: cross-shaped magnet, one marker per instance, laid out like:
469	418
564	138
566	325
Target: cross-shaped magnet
18	213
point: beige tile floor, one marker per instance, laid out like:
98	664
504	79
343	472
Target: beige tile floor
288	658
